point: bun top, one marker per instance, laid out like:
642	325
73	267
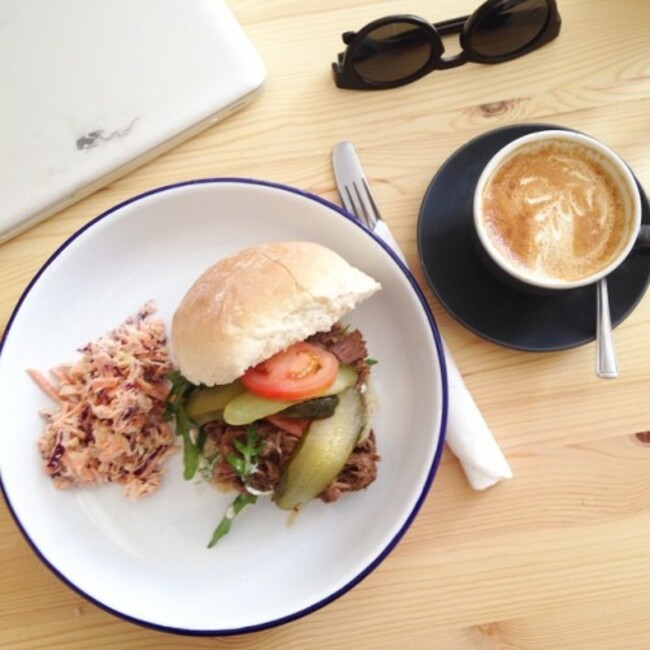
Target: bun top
250	305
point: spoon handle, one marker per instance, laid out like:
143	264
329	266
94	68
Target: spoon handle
606	366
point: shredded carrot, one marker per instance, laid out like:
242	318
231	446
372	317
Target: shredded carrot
109	425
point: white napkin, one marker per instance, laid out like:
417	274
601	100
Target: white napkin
468	434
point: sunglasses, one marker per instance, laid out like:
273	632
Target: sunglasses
397	50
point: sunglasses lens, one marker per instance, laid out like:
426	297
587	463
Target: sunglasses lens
509	26
392	52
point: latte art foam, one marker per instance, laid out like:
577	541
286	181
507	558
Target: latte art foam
555	210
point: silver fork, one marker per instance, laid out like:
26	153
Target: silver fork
352	184
356	196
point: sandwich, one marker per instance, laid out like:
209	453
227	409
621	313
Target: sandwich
272	392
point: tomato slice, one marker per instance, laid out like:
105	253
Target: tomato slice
302	370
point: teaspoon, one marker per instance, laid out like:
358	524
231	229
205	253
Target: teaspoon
606	366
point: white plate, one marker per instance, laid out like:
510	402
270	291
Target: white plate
147	561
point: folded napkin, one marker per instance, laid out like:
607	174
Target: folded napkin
468	435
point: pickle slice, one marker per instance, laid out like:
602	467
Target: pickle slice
247	407
322	453
316	408
207	402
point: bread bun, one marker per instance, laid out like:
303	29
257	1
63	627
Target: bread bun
252	304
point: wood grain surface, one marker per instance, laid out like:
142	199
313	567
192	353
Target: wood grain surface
556	558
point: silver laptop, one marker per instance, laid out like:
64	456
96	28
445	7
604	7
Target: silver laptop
89	89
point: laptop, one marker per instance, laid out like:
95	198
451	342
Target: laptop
91	89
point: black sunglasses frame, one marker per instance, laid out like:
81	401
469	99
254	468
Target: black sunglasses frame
345	75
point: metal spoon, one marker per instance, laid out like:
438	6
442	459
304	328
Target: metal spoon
606	366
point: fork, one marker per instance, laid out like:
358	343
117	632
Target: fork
352	184
356	196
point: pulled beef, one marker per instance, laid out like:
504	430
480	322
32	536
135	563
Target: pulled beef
278	445
348	346
277	448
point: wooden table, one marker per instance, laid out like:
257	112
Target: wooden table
558	556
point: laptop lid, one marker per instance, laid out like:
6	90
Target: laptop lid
91	89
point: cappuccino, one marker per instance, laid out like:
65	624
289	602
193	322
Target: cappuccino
557	210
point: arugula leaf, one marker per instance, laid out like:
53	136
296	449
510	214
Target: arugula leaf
240	502
185	426
177	394
244	462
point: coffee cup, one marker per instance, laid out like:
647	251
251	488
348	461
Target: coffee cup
555	210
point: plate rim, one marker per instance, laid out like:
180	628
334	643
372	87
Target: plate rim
428	481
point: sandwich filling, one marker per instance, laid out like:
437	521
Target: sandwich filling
261	456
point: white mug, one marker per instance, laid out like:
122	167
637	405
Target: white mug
555	210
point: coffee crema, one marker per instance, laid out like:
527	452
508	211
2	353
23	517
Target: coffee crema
554	210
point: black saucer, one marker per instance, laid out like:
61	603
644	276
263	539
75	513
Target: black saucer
483	304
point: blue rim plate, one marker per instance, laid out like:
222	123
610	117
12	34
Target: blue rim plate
147	561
